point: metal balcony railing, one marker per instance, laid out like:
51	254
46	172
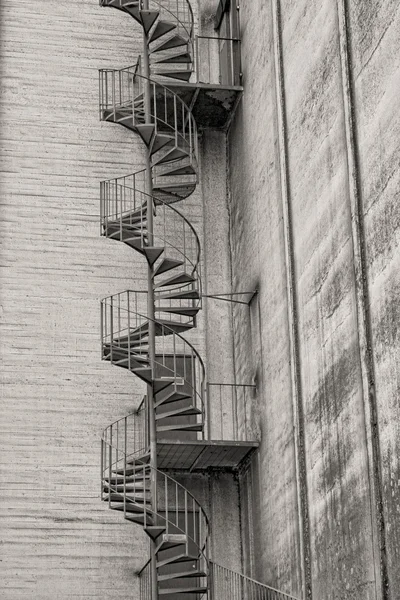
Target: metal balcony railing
225	584
229	585
224	401
218	60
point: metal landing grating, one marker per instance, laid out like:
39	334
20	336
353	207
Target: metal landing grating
196	455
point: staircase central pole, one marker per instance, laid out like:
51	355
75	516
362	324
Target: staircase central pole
150	310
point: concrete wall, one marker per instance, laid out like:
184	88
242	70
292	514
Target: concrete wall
58	540
320	241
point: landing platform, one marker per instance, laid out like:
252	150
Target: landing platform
213	105
193	455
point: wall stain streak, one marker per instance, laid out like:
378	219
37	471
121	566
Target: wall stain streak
297	392
364	328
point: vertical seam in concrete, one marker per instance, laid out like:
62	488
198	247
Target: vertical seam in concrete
364	328
297	392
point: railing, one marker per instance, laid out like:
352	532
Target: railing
224	401
125	437
121	95
123	198
145	582
174	508
124	326
218	60
229	585
180	13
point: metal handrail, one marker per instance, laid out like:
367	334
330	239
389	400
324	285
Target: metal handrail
132	70
156	201
197	369
227	583
222	397
170	517
189	33
209	69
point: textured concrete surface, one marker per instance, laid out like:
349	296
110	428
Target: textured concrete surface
58	540
375	29
341	501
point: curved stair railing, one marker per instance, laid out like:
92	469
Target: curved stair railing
178	372
169	26
175	250
170	135
181	532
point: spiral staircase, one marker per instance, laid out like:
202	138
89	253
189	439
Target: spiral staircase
142	330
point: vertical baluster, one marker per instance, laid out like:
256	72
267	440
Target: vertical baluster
175	121
186	522
105	105
129	332
102	468
100	93
111	327
194	390
155	108
167	519
117	445
194	511
176	503
109	467
125	459
119	319
113	94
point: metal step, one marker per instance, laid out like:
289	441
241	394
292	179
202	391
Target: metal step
136	498
132	8
131	507
179	558
166	265
181	75
162	28
186	312
172	155
146	132
174	191
171	540
181	58
186	427
154	531
152	253
186	295
172	397
161	384
186	170
173	42
128	487
145	374
176	280
182	574
188	411
148	18
183	590
173	326
160	140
